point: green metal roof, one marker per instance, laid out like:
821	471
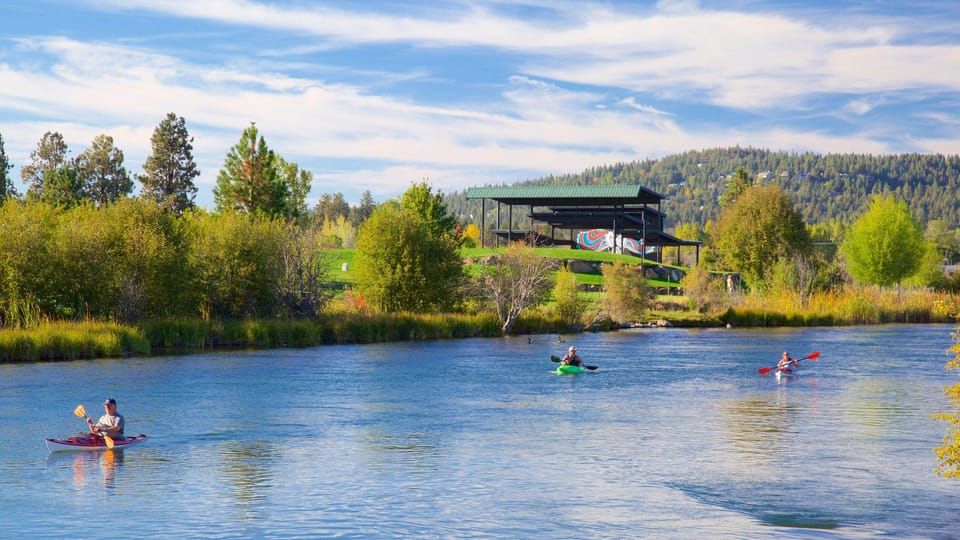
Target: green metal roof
566	195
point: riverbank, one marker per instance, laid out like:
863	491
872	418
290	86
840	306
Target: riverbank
55	341
77	340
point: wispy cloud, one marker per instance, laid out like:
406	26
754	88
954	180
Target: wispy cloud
730	58
575	86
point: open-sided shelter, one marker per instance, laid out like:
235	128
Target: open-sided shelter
628	211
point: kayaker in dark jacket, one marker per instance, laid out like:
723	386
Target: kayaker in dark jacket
571	359
110	423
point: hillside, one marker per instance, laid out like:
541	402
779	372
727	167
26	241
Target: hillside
824	187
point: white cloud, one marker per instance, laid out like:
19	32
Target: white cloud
860	107
632	102
734	59
894	68
951	120
562	111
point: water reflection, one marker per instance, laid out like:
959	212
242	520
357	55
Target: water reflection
411	449
90	466
409	443
877	405
759	427
246	468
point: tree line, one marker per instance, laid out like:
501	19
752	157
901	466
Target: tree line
132	260
254	179
78	244
825	187
761	234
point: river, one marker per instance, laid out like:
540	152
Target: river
676	435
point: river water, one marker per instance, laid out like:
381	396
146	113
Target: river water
674	436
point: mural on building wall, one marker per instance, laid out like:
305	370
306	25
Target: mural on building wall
603	240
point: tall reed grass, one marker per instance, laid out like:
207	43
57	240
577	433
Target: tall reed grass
65	340
88	339
69	341
375	328
850	306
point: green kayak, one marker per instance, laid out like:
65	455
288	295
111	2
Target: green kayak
567	369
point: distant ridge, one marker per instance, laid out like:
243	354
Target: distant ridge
824	187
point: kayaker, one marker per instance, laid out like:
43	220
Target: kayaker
110	423
786	361
571	359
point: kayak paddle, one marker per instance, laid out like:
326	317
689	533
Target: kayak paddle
81	412
811	356
556	359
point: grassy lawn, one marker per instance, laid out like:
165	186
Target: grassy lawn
560	253
337	258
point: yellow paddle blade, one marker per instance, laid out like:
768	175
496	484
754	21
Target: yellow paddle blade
80	411
108	440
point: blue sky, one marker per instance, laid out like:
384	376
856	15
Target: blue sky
375	95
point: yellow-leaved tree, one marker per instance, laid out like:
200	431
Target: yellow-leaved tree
948	455
570	305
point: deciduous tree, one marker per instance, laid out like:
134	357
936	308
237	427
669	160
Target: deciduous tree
885	245
761	227
339	234
704	291
570	305
237	263
430	208
329	207
298	183
518	279
150	261
945	240
401	266
690	231
930	270
302	290
27	289
948	455
626	294
796	277
471	235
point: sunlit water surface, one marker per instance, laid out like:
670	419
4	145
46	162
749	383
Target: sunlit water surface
675	436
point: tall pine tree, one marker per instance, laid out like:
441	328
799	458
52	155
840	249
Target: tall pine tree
50	156
101	172
169	171
6	183
250	180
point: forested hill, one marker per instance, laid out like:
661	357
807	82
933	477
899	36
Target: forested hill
824	187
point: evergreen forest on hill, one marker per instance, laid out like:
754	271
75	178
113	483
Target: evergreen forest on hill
831	187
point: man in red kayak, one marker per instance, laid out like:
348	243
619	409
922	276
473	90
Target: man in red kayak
571	359
786	362
110	424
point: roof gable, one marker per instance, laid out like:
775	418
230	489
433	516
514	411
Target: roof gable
567	195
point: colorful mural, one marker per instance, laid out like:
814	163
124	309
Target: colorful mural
603	240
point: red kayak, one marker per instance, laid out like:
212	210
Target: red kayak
86	443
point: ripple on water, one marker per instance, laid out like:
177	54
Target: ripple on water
419	440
